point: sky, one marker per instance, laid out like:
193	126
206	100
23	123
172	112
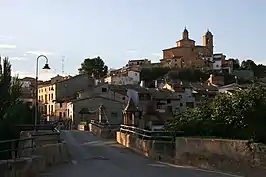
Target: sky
120	30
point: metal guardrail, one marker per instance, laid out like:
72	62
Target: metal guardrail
12	147
147	134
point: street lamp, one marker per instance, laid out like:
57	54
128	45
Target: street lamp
46	67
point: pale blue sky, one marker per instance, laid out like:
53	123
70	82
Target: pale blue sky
119	30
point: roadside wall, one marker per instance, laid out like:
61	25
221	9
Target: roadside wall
231	156
159	150
41	159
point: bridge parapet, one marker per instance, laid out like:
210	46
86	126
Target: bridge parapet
32	154
103	129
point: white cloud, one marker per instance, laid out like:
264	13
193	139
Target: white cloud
7	46
38	53
18	58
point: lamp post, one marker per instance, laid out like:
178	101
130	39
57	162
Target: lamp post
46	67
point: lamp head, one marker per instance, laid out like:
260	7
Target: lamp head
46	67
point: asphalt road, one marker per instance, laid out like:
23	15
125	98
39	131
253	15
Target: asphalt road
92	156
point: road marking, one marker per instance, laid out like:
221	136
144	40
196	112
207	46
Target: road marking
208	171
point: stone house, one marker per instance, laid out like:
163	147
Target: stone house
183	91
115	92
86	109
151	119
165	100
68	88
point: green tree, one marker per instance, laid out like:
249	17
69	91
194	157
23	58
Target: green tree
248	65
151	74
94	66
236	63
241	115
188	74
12	110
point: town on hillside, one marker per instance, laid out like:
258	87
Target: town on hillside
187	76
193	108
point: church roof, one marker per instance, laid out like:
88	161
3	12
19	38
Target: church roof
131	107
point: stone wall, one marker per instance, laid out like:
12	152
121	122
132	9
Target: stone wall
159	150
232	156
103	131
42	158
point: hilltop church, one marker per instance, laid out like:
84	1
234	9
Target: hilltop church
188	55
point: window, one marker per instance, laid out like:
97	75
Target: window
64	114
123	98
60	105
45	98
137	63
60	114
52	97
168	101
104	89
52	108
49	97
181	104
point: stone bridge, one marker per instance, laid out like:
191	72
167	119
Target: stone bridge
93	156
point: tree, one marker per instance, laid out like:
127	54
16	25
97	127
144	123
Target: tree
241	115
151	74
236	63
94	66
188	74
12	110
248	65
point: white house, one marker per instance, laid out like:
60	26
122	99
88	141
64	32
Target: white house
123	76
